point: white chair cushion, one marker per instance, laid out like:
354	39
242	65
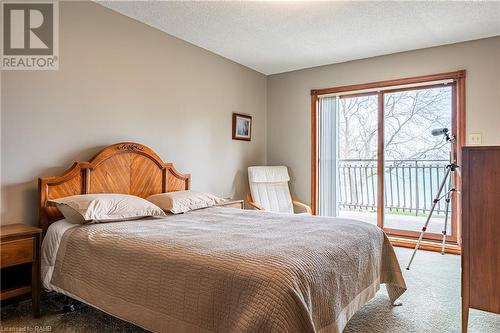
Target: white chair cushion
269	188
268	174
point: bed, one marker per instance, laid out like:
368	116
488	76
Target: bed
210	270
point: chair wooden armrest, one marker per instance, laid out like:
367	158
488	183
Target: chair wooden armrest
302	206
252	204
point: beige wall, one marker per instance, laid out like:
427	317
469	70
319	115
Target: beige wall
122	80
288	111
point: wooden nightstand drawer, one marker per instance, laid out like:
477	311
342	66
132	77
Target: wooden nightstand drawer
20	262
232	204
17	252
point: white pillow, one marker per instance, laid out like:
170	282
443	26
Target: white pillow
184	201
105	208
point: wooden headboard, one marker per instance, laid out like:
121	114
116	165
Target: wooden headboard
126	167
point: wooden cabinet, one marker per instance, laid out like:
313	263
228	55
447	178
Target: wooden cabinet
480	230
20	262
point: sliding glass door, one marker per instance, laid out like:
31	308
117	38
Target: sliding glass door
357	157
379	162
415	160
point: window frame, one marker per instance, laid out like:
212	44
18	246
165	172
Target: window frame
458	127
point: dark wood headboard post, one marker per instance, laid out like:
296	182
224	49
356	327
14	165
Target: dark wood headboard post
126	167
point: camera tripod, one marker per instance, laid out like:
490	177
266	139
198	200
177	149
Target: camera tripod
449	179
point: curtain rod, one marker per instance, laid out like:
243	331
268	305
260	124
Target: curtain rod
376	90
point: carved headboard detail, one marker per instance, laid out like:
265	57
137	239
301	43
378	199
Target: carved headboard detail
126	167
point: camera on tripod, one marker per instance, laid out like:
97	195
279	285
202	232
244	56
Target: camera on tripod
449	179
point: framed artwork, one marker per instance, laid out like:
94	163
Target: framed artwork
242	127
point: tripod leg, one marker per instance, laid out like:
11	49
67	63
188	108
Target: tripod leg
447	209
424	228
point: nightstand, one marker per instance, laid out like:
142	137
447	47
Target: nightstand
20	262
232	204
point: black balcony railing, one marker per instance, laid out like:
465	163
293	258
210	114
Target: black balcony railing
410	185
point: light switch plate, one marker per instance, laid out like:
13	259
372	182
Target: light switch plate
475	139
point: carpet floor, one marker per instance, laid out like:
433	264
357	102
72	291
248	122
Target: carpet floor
431	304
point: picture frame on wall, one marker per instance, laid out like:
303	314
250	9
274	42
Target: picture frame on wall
242	127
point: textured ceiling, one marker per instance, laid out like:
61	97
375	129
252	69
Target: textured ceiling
275	37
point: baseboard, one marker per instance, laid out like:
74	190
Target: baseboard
425	245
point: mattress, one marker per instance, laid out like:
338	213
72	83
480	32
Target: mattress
50	245
224	270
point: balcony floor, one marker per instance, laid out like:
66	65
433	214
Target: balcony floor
401	222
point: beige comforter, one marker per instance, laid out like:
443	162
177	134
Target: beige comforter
228	270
